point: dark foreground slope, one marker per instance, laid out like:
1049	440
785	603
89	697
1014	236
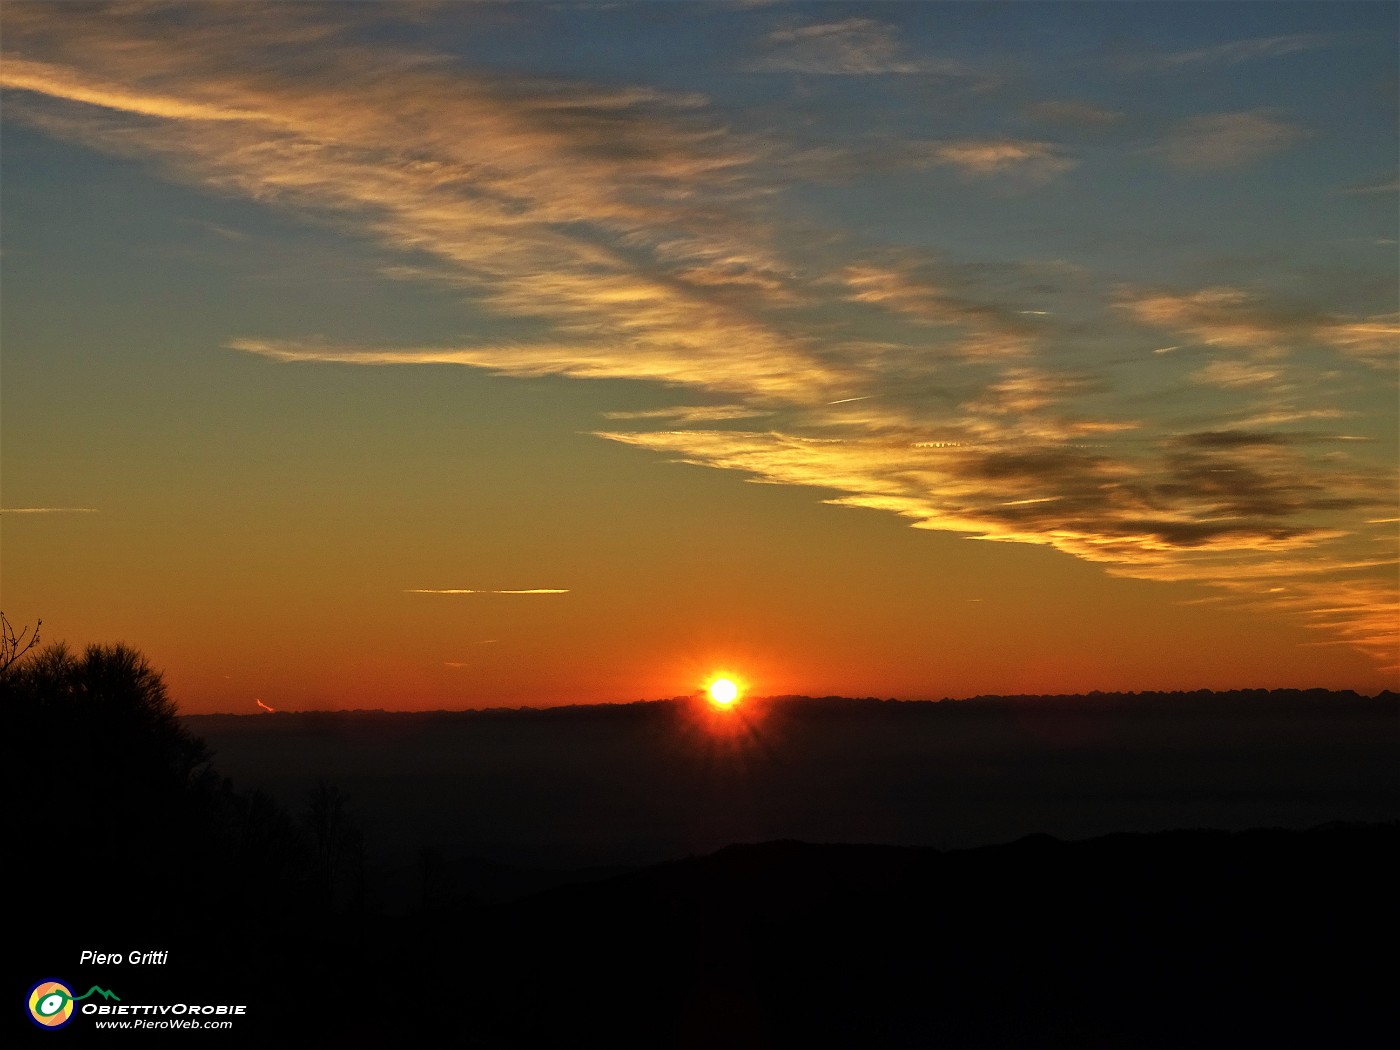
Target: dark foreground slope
1182	939
1178	939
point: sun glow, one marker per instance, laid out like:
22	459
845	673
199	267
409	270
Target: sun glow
723	691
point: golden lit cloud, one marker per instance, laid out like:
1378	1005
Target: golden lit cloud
1233	319
1001	156
991	331
48	510
1217	316
42	78
1374	341
1201	512
1235	373
775	378
692	413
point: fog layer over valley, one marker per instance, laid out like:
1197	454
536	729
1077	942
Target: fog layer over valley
630	784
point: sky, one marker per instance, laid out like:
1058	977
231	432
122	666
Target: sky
456	355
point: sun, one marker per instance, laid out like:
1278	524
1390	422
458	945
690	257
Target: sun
723	691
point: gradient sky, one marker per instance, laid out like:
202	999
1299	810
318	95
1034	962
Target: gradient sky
426	356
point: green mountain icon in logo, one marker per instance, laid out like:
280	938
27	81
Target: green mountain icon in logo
100	991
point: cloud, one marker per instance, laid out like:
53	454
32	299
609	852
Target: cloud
851	47
981	157
1220	141
612	214
1023	391
1235	374
1217	316
1002	158
1074	113
1141	511
707	365
1211	439
1390	184
1233	319
48	510
910	290
22	74
1374	341
1234	52
463	590
691	413
1245	511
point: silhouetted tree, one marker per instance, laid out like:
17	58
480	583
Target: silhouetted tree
14	646
101	774
337	845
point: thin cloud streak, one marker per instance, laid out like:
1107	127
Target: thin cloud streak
778	380
692	413
1237	51
48	510
22	74
465	590
1388	185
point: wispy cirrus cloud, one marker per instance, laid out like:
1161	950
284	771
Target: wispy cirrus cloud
981	157
779	378
1374	341
850	47
1074	113
609	213
43	78
691	413
1152	509
1232	514
1218	316
908	289
1387	185
1233	52
1233	319
632	233
1235	374
1221	141
48	510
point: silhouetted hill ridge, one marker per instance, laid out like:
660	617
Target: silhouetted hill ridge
643	708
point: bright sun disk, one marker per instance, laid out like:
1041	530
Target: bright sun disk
723	691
